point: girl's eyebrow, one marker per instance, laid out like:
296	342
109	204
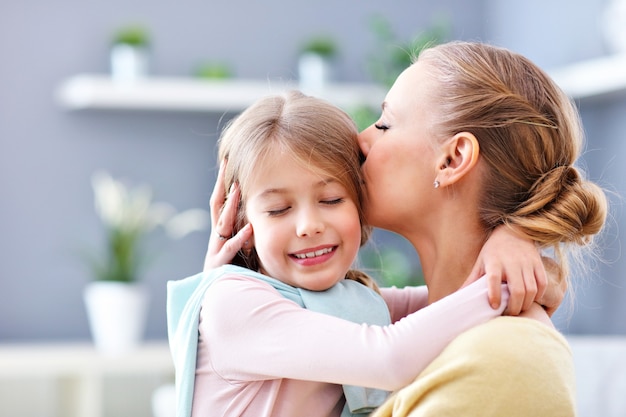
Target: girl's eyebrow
269	192
274	191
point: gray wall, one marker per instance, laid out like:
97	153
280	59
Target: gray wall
47	154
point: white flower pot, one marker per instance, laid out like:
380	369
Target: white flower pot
117	315
128	62
614	25
314	72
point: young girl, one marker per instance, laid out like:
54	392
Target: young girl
292	330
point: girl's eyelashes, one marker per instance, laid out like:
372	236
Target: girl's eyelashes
329	202
333	201
278	212
381	126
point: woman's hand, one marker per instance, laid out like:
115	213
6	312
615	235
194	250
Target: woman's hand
507	256
223	246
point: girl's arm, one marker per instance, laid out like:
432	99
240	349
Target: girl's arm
509	257
251	332
505	257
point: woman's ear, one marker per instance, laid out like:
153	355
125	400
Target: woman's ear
459	158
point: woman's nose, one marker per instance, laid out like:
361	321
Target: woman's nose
365	140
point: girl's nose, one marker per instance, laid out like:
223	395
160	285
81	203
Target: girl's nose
310	223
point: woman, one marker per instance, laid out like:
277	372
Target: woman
483	138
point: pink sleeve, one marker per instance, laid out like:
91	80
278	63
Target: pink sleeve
252	332
404	301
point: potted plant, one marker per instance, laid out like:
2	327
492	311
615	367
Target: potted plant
392	56
115	300
129	53
315	62
213	70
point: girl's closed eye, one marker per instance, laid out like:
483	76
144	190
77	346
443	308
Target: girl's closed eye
333	201
277	211
381	126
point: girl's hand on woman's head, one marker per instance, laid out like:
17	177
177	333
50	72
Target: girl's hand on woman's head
509	257
223	245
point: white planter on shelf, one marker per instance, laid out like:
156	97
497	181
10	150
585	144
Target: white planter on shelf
117	313
314	71
128	62
614	25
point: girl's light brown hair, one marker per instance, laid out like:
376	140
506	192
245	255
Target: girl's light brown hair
530	137
318	135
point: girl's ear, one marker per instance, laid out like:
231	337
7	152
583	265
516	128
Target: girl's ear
247	246
460	156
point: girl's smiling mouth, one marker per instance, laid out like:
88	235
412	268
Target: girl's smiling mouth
314	253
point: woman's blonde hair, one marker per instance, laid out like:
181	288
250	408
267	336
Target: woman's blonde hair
316	134
530	137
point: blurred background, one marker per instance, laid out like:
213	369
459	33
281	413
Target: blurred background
49	149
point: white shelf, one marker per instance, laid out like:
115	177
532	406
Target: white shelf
189	94
79	371
593	78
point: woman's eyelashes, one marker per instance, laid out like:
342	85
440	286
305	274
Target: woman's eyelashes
381	126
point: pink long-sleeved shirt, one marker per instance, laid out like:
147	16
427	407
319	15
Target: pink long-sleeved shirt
260	354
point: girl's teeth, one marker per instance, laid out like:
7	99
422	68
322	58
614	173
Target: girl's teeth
313	254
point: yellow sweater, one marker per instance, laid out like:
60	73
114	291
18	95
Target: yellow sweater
510	366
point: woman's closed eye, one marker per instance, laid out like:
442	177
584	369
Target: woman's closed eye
381	126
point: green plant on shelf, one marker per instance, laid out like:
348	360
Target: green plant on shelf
324	46
393	55
213	70
132	35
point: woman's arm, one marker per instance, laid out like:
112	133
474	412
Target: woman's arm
404	301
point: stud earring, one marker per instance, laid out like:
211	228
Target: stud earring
436	184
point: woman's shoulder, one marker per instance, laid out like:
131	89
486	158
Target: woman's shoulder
520	361
509	366
511	335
